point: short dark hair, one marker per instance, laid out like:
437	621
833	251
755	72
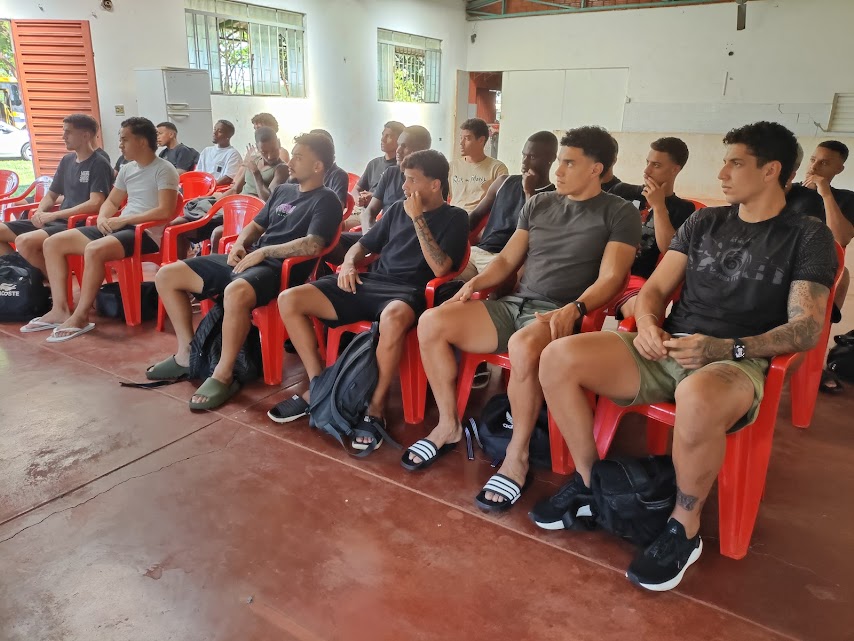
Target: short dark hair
545	138
673	147
433	165
477	126
168	125
264	134
85	122
396	127
321	146
616	145
229	127
594	142
834	145
768	142
420	134
266	120
143	128
323	132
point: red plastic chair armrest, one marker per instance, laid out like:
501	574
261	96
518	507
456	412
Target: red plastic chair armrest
16	211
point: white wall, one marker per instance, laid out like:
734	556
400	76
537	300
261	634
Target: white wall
341	56
786	66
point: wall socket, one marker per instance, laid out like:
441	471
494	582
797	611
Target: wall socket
120	110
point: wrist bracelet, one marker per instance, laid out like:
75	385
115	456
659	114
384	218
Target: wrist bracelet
637	320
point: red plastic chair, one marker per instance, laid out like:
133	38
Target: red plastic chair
269	322
237	209
413	380
197	184
38	188
348	208
352	180
9	182
741	481
474	234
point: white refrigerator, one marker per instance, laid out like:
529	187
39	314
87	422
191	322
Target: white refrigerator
181	96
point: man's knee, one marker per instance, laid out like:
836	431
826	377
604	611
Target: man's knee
396	318
711	410
29	244
292	300
98	251
557	362
525	349
239	295
431	326
166	276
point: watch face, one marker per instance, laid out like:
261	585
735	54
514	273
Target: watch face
739	351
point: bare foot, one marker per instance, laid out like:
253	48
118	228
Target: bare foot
56	316
71	321
441	435
513	469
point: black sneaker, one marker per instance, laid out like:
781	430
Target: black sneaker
289	410
573	500
661	566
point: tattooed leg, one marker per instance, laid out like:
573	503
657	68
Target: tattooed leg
708	403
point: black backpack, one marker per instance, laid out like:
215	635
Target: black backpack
840	359
496	428
23	295
108	302
633	498
340	395
206	346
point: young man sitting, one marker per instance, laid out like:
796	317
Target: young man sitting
472	174
150	185
299	220
418	239
756	283
221	160
184	158
363	191
260	164
662	212
504	200
336	178
265	119
577	245
83	180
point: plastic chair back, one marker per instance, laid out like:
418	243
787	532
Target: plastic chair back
698	205
352	180
351	203
237	212
9	182
42	186
197	184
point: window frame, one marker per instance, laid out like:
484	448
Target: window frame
388	42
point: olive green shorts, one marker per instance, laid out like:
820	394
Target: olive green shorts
512	313
660	378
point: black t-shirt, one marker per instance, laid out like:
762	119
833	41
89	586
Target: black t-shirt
845	200
104	155
678	210
181	156
390	187
739	274
504	216
291	214
337	180
121	161
373	172
394	238
609	186
77	180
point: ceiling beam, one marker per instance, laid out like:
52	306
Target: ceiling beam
473	8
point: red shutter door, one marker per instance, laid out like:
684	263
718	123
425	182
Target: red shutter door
56	72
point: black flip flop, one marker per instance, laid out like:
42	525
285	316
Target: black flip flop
828	377
426	450
506	488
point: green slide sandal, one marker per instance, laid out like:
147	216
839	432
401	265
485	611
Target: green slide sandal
166	370
216	392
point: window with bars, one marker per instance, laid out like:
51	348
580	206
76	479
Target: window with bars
248	50
408	67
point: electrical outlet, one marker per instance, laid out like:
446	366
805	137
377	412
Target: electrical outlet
120	110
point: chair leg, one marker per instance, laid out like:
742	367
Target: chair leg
130	284
161	315
803	387
605	423
272	332
414	399
741	484
468	365
657	434
321	338
206	305
333	340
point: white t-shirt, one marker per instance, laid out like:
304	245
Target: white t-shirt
219	161
142	185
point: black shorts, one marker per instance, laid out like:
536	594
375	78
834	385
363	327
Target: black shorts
19	227
370	299
216	273
204	232
126	236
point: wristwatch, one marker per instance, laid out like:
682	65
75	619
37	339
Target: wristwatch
739	351
582	308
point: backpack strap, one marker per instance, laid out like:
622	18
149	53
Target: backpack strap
154	384
634	472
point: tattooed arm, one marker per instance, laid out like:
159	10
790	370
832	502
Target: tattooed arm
308	246
806	309
435	256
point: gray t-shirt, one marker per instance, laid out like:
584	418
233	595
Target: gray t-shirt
567	239
142	185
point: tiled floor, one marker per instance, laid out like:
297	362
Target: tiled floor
124	516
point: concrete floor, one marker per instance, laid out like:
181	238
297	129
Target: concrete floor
124	516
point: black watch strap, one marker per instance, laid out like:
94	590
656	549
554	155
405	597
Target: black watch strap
739	351
582	308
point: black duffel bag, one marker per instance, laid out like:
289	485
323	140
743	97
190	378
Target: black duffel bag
108	302
496	428
23	295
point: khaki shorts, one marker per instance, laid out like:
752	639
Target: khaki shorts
512	313
479	260
659	380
